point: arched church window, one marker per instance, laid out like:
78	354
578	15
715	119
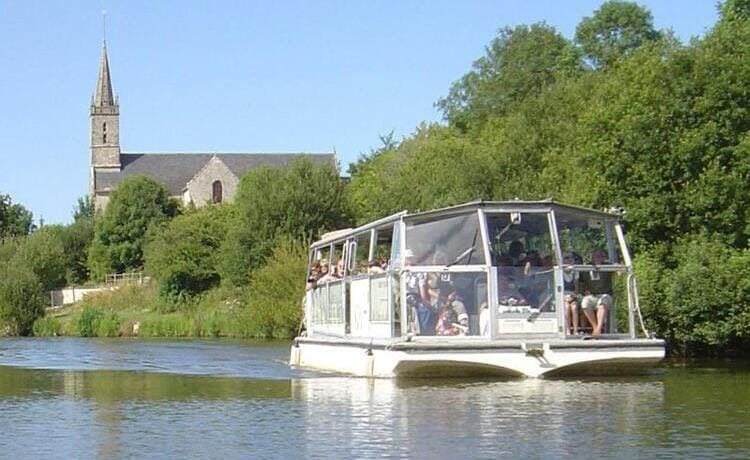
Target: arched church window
104	127
104	138
217	192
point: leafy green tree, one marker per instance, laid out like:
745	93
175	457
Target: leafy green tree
22	298
15	220
84	209
273	306
183	253
119	234
520	62
297	201
43	254
615	30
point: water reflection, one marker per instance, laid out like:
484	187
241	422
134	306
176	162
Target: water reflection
131	398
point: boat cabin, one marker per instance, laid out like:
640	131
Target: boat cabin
491	270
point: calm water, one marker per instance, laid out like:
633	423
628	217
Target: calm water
80	398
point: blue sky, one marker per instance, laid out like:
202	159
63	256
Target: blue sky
243	76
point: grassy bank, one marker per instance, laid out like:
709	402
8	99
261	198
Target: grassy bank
140	311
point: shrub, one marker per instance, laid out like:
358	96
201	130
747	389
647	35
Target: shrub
273	302
47	327
88	322
21	298
182	255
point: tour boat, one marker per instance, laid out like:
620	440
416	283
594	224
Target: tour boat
511	289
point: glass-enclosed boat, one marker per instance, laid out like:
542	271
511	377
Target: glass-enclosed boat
518	288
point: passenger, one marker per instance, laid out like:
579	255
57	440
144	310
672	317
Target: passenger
414	281
447	323
454	301
340	271
314	275
375	268
431	290
597	287
516	253
424	315
325	275
570	288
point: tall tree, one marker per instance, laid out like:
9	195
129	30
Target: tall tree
120	233
15	220
298	201
519	62
614	31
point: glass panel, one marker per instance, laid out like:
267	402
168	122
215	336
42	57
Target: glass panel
335	311
445	241
338	269
445	303
323	261
379	299
519	240
587	240
362	254
383	240
590	307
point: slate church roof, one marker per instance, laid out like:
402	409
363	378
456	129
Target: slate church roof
174	170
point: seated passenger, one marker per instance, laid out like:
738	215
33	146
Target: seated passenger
314	275
597	287
431	290
454	301
516	253
374	267
447	322
339	269
325	275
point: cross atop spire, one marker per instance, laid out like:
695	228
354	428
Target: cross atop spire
103	95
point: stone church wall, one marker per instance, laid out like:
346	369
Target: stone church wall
200	187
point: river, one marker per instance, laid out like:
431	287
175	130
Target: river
82	398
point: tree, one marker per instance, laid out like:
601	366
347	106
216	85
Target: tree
119	235
21	298
43	254
298	201
183	253
15	220
273	303
615	30
519	62
84	209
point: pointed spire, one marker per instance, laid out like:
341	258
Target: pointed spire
103	96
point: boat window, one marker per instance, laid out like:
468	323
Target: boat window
383	242
518	239
360	255
452	240
338	264
445	303
581	237
322	257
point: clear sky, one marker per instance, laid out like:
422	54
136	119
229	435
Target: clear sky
244	76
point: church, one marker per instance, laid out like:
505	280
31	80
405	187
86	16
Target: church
193	178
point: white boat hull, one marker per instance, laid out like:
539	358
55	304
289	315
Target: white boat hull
504	358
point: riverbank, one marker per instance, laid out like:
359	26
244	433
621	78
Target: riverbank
138	311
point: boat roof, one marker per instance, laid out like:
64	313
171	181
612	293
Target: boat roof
487	206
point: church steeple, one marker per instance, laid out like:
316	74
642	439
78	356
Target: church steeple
105	119
103	96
